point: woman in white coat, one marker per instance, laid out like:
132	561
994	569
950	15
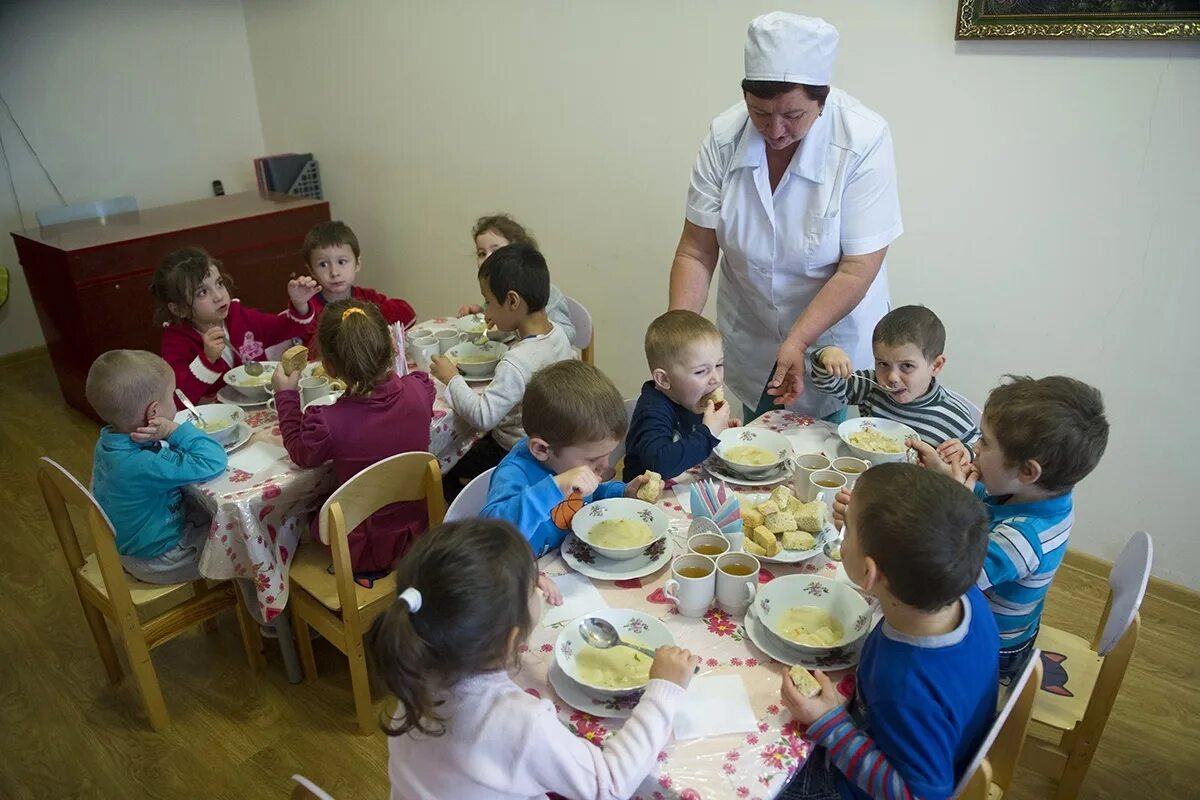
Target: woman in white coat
794	190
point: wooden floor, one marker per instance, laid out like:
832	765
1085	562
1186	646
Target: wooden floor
64	732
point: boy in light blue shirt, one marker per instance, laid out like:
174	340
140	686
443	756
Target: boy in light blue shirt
142	460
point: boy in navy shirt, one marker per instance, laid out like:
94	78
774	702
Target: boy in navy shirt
677	420
927	681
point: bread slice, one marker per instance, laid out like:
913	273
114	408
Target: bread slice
294	359
652	489
716	397
768	508
780	522
812	517
798	540
752	518
781	496
753	548
763	537
793	506
806	684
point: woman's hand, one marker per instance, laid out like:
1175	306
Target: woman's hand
788	381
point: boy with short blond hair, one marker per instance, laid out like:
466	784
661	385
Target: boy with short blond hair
575	418
136	479
333	258
1040	438
680	411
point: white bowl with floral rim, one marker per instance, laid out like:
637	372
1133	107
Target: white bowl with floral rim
637	627
897	432
753	436
841	600
252	387
616	508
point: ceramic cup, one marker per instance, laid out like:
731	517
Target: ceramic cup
693	584
823	485
806	465
423	349
447	339
737	581
708	544
312	388
850	468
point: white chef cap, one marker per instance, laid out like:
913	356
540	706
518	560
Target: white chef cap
790	48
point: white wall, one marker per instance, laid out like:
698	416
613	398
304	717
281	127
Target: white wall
152	98
1050	189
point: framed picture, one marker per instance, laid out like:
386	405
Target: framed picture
1078	19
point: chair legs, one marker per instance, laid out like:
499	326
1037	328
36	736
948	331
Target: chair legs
104	642
304	644
1079	758
251	638
209	625
360	685
143	674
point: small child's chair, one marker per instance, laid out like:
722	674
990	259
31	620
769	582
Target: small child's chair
307	790
1070	714
618	456
976	411
991	771
106	590
338	607
472	498
585	338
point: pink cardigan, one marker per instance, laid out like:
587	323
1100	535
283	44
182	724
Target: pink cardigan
505	744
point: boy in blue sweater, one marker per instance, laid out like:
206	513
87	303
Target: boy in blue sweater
142	460
1040	438
574	418
926	684
677	419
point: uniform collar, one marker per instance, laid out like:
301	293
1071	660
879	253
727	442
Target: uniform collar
809	160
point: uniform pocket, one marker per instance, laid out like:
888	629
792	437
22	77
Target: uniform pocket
822	245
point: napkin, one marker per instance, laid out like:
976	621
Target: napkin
397	331
715	705
258	457
716	502
579	597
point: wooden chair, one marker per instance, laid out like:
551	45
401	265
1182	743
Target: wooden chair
1068	720
106	590
585	338
339	608
307	790
618	455
471	499
991	771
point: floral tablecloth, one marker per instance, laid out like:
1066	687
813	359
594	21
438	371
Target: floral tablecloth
749	765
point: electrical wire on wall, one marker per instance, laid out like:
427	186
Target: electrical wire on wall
8	166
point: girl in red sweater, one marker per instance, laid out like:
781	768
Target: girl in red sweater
205	333
379	416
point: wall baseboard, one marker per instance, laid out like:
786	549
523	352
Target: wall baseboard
1158	588
21	356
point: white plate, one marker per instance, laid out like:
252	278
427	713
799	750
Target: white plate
233	397
575	553
478	378
573	695
792	556
714	469
240	437
838	658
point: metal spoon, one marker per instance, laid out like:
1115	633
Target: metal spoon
600	633
253	368
888	389
188	405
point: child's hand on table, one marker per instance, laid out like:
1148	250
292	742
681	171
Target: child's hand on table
302	289
953	451
214	342
155	430
281	381
580	480
631	488
841	502
550	589
930	459
443	369
716	418
674	664
807	710
468	310
836	362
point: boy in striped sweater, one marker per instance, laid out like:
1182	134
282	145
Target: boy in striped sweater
926	684
1040	438
908	343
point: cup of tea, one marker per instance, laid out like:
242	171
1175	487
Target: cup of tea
447	339
737	581
708	544
423	349
312	388
693	584
824	486
806	465
850	468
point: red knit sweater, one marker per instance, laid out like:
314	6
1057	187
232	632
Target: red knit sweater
393	309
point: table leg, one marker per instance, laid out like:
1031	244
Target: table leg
287	647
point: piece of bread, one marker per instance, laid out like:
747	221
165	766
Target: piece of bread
716	397
812	517
780	521
652	489
806	684
763	538
781	496
752	518
797	540
793	506
768	508
294	359
753	548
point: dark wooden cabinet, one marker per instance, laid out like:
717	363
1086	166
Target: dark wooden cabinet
90	280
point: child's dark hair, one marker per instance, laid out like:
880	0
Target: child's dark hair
570	403
475	578
915	325
329	234
356	344
926	532
506	226
176	279
518	268
1056	421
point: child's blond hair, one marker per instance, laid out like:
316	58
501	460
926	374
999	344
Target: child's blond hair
672	333
121	383
570	403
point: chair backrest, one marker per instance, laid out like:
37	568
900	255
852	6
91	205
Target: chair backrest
407	476
1127	584
1000	751
95	209
582	320
307	790
619	453
471	499
976	411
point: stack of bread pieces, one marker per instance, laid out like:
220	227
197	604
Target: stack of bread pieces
782	522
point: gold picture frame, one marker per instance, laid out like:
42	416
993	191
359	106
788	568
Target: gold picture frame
1078	19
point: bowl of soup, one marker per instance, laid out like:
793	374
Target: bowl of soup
812	614
474	326
220	420
752	452
876	439
477	360
620	528
252	387
616	672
